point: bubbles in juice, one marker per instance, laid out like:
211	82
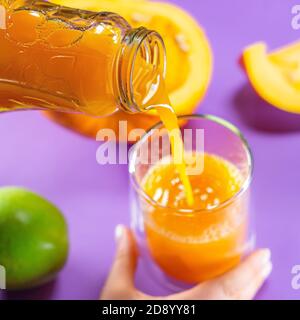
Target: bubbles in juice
194	246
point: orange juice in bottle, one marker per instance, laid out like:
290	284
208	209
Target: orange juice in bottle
65	59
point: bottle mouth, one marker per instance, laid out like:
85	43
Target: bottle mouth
141	69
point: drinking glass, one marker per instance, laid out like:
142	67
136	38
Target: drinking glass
188	246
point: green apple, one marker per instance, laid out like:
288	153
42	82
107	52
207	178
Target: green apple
33	238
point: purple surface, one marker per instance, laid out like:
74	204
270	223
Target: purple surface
60	165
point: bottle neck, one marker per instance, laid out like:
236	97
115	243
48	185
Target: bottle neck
140	67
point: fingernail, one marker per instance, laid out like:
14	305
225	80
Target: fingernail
121	237
265	256
119	232
266	271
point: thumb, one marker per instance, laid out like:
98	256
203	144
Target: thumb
120	282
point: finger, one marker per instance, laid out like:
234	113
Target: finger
241	283
120	282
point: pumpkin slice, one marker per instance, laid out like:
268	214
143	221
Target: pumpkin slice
188	54
275	76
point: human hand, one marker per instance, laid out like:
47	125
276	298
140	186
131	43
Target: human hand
240	283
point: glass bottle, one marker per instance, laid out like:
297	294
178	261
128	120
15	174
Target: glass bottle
64	59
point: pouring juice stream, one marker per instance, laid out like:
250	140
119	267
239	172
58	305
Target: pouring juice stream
70	60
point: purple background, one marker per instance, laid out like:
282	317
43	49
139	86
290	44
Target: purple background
61	165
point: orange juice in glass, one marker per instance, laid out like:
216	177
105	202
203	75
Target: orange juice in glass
192	243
